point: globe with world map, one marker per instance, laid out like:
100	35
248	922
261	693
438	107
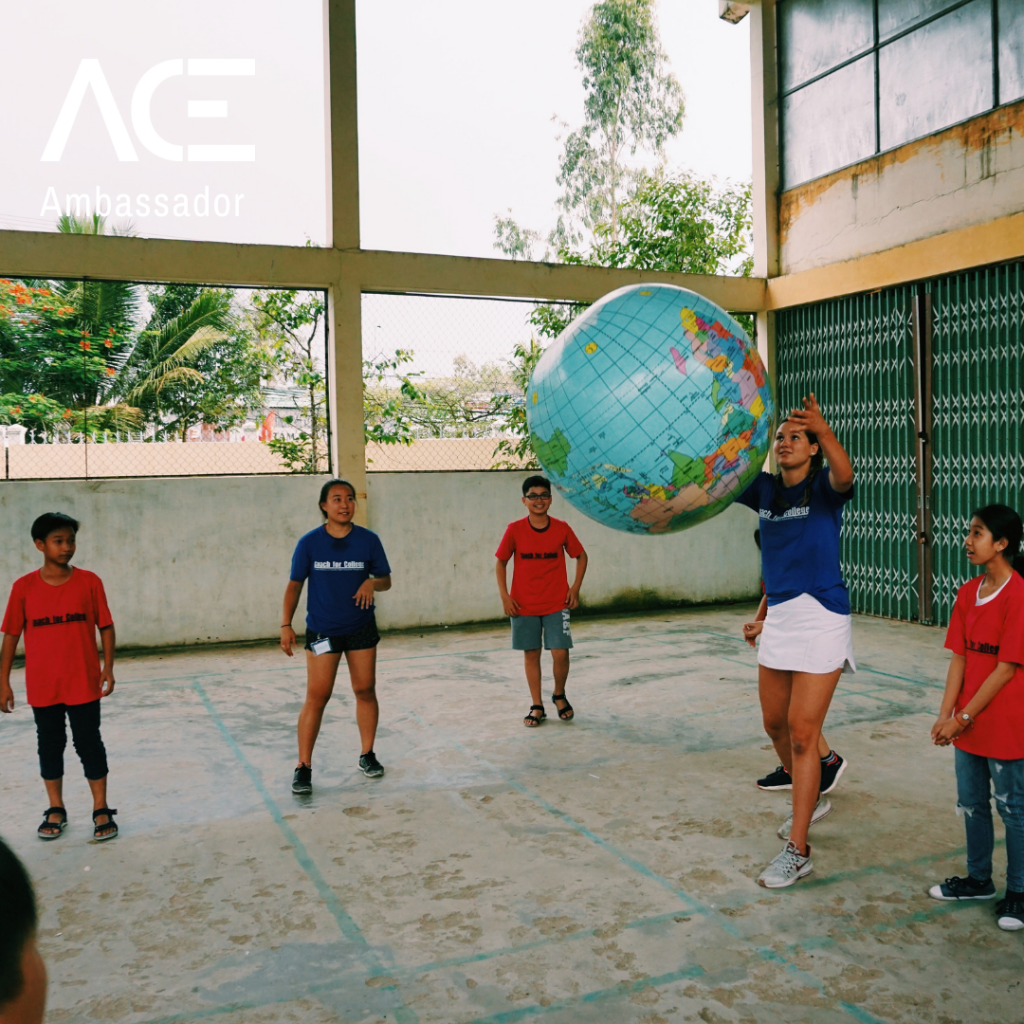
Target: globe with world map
652	411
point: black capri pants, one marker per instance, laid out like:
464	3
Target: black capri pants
85	732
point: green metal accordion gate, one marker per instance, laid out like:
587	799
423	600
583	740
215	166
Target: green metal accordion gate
977	412
924	386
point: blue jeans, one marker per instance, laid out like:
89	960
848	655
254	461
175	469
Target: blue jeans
976	777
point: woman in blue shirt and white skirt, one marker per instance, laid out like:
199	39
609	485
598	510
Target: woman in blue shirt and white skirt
807	638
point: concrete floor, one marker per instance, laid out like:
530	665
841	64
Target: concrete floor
598	871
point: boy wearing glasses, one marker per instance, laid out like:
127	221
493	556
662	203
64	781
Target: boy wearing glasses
541	597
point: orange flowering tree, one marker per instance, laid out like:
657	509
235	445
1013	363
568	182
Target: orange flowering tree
61	345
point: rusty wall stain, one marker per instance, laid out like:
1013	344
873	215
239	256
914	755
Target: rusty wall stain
995	128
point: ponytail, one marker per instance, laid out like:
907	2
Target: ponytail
1004	524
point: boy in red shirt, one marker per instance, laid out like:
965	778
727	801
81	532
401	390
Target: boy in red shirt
59	608
982	711
541	597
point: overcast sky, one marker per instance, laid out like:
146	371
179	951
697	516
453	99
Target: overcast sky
456	99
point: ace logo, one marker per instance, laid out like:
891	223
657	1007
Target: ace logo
90	76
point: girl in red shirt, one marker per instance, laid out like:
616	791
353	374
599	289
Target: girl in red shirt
982	712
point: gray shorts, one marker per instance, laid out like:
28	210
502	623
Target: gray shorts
528	630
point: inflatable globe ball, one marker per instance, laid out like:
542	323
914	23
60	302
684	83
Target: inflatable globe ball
652	411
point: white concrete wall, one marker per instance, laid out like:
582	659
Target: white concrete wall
183	561
440	531
202	560
965	175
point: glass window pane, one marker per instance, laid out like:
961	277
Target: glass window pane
187	120
896	15
936	76
1011	52
829	124
815	35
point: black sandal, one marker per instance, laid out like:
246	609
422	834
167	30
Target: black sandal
531	721
97	833
566	713
52	829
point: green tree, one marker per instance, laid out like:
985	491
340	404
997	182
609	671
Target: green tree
289	323
193	363
632	106
516	451
679	224
633	103
389	392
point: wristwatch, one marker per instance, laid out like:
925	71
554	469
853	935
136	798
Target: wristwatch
965	719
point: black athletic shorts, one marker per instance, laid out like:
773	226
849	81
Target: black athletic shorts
360	639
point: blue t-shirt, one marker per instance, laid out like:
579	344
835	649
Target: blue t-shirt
800	543
336	568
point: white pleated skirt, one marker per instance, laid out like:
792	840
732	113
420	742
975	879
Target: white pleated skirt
802	635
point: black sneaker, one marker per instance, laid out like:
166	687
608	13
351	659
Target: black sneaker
370	766
302	780
831	768
968	888
1010	912
778	779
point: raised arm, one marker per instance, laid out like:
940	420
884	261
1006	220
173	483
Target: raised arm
840	469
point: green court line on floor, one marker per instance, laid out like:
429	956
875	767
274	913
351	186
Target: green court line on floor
348	927
698	906
625	988
491	954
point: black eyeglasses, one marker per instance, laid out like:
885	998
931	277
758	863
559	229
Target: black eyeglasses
539	497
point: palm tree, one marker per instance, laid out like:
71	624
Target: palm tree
159	375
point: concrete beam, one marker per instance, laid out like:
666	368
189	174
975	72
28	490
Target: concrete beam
115	258
463	275
49	254
948	253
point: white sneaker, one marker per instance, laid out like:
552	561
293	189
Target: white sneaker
787	867
822	808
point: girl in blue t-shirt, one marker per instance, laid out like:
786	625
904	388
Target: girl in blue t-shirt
807	639
346	566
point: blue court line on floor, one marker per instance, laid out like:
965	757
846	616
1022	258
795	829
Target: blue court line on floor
348	927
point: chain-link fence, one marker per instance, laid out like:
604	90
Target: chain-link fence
445	379
114	379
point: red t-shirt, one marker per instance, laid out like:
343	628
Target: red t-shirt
539	581
62	664
986	635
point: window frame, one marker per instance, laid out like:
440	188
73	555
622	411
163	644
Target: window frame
874	49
